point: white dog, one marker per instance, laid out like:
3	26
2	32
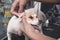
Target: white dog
33	17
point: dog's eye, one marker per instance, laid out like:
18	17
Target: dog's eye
31	17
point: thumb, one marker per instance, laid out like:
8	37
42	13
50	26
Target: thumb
24	20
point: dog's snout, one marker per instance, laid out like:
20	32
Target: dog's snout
40	21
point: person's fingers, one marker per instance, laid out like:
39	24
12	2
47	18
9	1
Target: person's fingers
14	4
21	15
14	7
24	19
21	9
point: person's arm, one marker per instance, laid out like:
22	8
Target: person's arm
22	4
33	33
48	1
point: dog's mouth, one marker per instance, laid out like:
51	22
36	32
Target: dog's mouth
36	27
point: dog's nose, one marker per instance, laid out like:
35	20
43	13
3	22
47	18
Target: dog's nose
40	21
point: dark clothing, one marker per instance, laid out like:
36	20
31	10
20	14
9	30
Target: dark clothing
53	29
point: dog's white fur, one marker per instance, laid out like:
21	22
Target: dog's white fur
15	23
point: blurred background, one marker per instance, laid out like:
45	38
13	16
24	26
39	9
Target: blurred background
5	16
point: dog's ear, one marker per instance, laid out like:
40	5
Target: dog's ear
28	12
42	17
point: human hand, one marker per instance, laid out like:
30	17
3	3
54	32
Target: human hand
22	4
18	7
33	33
29	29
14	7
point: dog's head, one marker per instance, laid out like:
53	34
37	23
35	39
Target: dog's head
33	17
